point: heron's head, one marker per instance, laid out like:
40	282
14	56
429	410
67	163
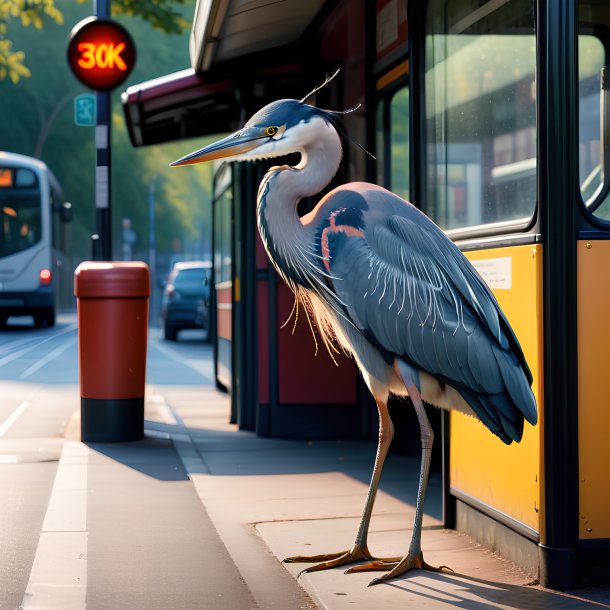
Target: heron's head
280	128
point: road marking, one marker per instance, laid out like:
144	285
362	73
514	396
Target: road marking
58	579
13	417
23	341
58	351
29	348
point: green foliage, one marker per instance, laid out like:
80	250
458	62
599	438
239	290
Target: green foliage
29	13
38	120
162	15
11	63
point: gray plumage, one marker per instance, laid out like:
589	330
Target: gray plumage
382	280
414	295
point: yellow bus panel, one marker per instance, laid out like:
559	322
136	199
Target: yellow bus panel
507	478
593	260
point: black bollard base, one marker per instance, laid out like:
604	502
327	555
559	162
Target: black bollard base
112	420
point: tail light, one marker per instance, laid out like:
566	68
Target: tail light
173	294
45	277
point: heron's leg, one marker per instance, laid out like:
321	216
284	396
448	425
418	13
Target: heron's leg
360	550
414	557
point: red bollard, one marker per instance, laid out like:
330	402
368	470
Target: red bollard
112	302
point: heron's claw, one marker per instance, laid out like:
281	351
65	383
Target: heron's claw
313	558
332	560
410	562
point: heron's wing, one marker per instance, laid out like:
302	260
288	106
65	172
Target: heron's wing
412	293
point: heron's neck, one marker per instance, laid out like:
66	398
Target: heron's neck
286	238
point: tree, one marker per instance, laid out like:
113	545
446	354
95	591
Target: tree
162	15
29	12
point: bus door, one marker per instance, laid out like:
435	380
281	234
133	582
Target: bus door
474	132
222	297
233	332
591	529
265	351
513	160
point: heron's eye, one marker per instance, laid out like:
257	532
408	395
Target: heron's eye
271	131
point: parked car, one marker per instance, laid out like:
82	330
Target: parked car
186	298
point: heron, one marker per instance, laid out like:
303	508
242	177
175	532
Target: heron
385	283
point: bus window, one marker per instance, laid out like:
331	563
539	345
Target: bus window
594	107
20	211
480	125
392	142
223	251
380	153
25	178
399	147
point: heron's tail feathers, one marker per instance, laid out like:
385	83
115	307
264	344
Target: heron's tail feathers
517	381
503	412
497	413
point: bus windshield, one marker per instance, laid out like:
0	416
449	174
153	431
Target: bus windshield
20	210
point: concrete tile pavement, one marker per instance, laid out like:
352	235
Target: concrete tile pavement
271	498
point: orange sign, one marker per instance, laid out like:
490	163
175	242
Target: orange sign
101	53
6	177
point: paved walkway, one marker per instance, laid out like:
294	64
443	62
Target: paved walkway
270	498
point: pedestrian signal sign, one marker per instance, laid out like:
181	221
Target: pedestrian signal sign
85	110
101	53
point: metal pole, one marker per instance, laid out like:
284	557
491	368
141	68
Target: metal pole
561	561
101	8
152	244
152	252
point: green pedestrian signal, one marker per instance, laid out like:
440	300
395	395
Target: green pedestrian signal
85	110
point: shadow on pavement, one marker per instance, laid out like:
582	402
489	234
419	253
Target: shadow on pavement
238	453
471	593
153	457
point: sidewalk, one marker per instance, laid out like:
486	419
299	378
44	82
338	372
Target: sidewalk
271	498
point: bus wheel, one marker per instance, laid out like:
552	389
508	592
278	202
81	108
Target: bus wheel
44	318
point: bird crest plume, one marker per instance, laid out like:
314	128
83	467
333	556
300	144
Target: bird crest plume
317	88
333	113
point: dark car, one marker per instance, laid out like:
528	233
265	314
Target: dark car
186	298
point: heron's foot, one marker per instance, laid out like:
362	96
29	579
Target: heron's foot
332	560
394	568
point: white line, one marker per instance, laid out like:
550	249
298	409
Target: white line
25	350
58	579
13	417
48	358
6	348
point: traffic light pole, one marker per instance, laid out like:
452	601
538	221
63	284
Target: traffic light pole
103	219
101	54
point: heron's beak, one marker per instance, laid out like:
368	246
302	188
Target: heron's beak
234	145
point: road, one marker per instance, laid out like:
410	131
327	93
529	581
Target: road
35	366
85	501
199	514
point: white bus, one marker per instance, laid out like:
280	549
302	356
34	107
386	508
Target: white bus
29	196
